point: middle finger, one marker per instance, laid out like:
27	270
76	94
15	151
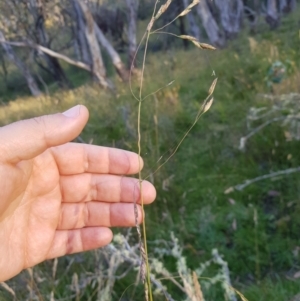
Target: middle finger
98	214
104	188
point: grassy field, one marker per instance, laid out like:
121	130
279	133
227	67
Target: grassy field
257	229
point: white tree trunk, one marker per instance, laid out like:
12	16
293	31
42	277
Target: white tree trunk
272	16
231	14
132	7
193	27
286	6
210	25
37	11
83	48
31	83
97	62
116	59
292	4
283	5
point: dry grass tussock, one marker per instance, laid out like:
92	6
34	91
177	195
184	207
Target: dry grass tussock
32	106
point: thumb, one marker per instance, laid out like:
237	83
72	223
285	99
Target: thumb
26	139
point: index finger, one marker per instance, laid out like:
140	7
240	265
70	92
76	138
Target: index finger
76	158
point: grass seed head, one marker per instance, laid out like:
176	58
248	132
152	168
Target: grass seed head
150	25
204	45
208	105
188	9
207	46
162	9
185	12
212	87
186	37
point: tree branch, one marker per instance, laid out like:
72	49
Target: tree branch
51	53
244	139
267	176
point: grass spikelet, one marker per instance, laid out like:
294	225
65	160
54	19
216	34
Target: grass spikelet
197	287
162	9
189	8
185	12
212	87
204	45
150	25
186	37
207	105
207	46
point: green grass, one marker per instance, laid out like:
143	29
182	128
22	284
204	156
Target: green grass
191	202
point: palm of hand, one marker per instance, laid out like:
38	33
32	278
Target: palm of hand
59	198
32	215
64	202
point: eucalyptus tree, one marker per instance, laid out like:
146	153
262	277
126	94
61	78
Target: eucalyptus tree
193	28
12	27
231	15
38	11
210	25
22	67
132	8
86	23
272	14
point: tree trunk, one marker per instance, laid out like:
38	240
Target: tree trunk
5	73
251	13
231	15
96	57
272	16
194	30
37	11
81	42
292	4
286	6
32	85
116	59
283	6
209	24
181	27
132	6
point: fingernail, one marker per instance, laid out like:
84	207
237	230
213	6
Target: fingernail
73	112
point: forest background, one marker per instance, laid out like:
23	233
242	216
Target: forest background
228	204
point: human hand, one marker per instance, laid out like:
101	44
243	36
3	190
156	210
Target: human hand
59	198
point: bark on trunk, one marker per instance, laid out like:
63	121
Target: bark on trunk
37	11
79	33
132	7
252	12
209	24
116	59
291	5
286	6
5	73
231	14
31	83
272	16
97	62
283	6
182	30
194	30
